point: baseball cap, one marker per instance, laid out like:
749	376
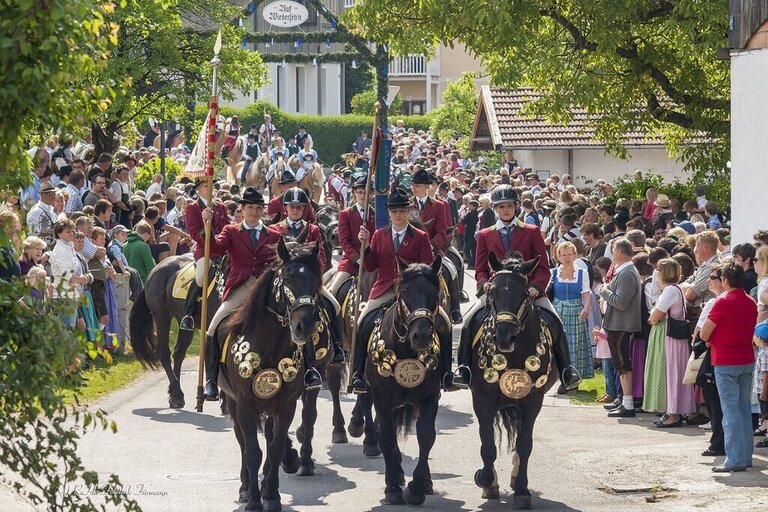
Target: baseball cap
761	330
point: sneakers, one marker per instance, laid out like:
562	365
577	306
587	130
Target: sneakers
763	443
706	426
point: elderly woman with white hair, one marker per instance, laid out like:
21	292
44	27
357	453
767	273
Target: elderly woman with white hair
31	253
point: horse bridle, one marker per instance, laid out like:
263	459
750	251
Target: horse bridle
292	302
411	316
517	319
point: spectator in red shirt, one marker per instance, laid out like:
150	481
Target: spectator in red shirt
728	331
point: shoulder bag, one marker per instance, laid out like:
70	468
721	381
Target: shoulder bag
678	329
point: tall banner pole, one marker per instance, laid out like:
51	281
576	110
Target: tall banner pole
209	157
373	163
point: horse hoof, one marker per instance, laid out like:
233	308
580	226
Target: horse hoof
413	498
176	402
243	497
522	502
355	430
339	437
306	470
300	434
272	505
394	498
292	463
371	450
481	480
490	493
429	488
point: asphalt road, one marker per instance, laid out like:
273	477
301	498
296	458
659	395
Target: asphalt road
180	460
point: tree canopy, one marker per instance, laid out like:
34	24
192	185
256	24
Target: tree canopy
453	118
647	66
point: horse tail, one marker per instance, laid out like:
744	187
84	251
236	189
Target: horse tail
404	418
508	423
143	339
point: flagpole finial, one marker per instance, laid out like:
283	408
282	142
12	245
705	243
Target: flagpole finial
217	45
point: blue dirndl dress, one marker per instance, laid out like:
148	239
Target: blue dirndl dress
568	304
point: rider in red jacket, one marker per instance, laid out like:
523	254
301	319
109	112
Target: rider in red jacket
510	235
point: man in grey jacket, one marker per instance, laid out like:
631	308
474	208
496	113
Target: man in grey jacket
622	319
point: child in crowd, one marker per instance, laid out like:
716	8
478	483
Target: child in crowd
40	290
713	220
103	285
761	379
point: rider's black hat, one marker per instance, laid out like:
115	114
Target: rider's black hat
251	196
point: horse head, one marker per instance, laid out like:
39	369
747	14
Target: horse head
418	288
510	304
298	282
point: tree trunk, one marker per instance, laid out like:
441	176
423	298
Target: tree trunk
104	139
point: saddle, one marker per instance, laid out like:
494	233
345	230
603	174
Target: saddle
184	279
366	328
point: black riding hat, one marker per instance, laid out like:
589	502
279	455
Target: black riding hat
421	177
295	196
398	198
287	177
504	194
251	196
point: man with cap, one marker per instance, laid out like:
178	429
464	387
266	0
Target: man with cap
509	235
277	211
251	248
296	201
196	230
350	222
534	184
251	152
433	216
398	240
41	217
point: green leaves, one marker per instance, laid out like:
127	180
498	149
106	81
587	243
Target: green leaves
647	66
454	117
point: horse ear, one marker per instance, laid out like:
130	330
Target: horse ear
303	235
528	266
283	251
437	265
401	265
494	262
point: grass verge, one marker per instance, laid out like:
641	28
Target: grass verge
590	390
103	378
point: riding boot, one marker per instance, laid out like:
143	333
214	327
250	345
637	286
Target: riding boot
336	328
463	375
569	376
193	294
359	386
455	301
244	172
312	379
212	355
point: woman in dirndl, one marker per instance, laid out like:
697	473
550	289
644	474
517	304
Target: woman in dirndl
571	294
667	357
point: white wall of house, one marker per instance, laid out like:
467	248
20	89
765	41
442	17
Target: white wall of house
319	88
593	164
749	143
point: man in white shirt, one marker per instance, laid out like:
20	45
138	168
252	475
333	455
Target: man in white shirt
41	217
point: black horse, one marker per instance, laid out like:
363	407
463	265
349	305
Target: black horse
150	323
404	369
263	365
328	222
511	372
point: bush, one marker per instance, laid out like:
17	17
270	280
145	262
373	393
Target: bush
634	189
148	170
38	431
333	135
364	104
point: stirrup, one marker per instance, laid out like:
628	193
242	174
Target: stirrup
187	323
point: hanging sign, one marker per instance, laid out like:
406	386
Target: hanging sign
285	13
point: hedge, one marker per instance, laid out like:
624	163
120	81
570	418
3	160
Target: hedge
332	135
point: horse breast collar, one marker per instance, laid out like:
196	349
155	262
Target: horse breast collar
514	383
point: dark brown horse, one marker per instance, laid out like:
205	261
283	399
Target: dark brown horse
150	323
261	375
511	372
404	370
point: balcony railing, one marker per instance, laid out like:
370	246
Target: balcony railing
408	65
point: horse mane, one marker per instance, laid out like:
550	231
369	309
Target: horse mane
513	262
416	270
250	312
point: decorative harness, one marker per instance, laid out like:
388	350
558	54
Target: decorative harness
513	383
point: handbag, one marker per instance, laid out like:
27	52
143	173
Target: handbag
678	329
692	369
